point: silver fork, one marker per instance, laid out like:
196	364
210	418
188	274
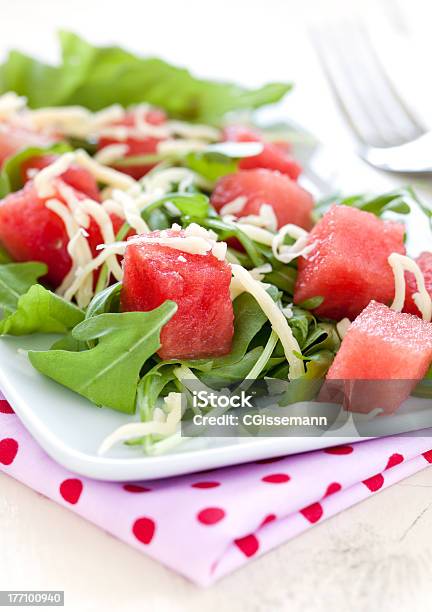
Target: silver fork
390	137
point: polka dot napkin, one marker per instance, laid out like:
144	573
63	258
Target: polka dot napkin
207	524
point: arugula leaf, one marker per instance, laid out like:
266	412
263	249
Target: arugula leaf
108	374
15	280
211	165
87	73
4	255
196	204
151	386
40	310
107	300
397	201
11	177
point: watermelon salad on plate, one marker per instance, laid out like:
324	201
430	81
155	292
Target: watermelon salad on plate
167	239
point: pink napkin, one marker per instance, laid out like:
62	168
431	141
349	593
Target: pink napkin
207	524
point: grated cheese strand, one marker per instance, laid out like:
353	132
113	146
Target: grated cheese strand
102	173
399	264
11	104
111	153
275	316
266	218
44	180
165	427
342	327
287	253
131	211
80	253
234	206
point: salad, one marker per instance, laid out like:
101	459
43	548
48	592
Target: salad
170	243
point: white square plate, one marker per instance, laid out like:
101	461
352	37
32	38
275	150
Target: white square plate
70	429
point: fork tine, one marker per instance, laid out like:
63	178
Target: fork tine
362	88
391	102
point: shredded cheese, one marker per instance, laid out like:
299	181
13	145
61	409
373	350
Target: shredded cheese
342	327
111	153
162	425
11	104
44	180
300	248
79	251
399	264
131	211
180	146
233	207
102	173
275	316
258	234
266	218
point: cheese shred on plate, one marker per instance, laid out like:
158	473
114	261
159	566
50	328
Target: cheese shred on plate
401	264
164	423
275	316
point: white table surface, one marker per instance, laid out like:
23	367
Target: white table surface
377	555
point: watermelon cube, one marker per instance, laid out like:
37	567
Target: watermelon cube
32	232
381	345
199	284
348	264
274	156
424	262
15	138
137	145
291	203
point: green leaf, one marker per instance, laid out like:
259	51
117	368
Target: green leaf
40	310
15	280
396	201
194	204
108	374
151	386
107	300
11	176
4	256
211	166
311	303
87	73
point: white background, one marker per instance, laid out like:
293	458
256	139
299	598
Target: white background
375	556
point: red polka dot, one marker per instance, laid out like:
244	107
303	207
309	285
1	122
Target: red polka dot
270	460
133	488
206	484
374	483
339	450
248	545
428	456
333	487
5	407
144	529
8	450
268	519
210	516
395	459
313	513
276	478
71	490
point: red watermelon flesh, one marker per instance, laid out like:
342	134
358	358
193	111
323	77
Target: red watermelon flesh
424	262
348	265
31	232
199	284
274	156
290	202
15	138
381	344
75	176
141	146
